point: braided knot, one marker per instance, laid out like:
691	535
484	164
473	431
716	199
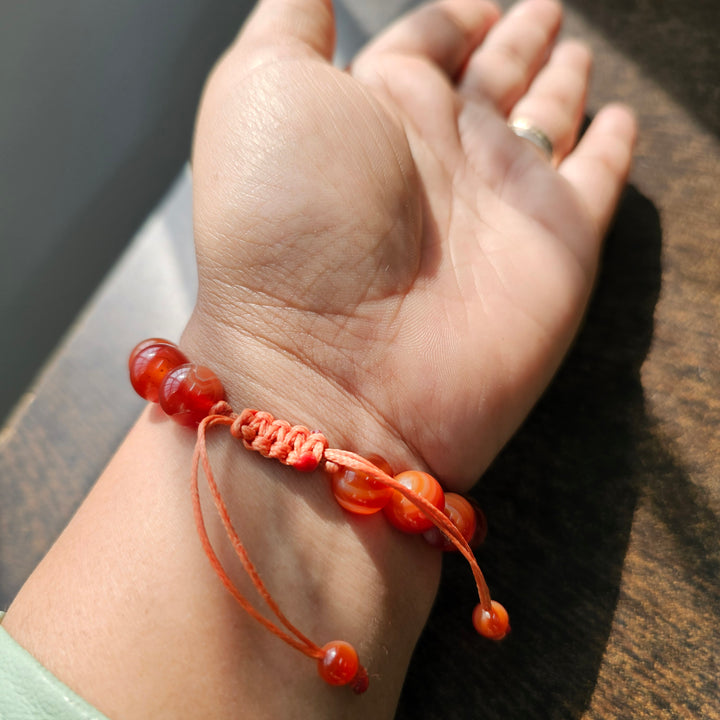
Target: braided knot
292	445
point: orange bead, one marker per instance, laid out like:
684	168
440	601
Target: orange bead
493	624
404	514
461	514
357	492
188	393
339	663
149	363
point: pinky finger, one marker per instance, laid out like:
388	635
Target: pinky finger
598	167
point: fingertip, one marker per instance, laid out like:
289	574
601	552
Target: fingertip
621	120
611	136
551	10
488	10
575	52
516	48
308	24
599	166
445	32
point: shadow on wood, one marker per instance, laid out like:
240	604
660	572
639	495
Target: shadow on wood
675	43
560	502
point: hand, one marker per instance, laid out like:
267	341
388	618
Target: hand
380	257
378	252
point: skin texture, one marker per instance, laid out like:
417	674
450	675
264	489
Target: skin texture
384	240
379	257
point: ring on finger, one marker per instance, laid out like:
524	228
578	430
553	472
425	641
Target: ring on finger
527	131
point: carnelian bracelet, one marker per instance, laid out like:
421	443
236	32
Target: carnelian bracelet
412	501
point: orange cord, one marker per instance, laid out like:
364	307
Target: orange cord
438	517
300	642
305	450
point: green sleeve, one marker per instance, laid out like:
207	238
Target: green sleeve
30	692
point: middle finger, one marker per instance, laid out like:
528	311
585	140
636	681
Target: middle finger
503	67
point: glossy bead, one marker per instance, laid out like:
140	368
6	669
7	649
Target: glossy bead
339	663
188	393
357	492
149	363
306	463
405	515
361	681
493	624
461	514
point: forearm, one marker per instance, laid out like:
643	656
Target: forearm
128	612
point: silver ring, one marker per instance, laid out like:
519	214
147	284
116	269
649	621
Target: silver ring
525	129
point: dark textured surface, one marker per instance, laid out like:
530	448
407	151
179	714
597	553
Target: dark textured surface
604	509
604	534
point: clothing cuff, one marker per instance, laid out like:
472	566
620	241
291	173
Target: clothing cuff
28	691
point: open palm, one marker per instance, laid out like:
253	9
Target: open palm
381	238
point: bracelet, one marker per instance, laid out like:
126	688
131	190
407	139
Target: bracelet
413	501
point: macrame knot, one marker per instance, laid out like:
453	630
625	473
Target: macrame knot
292	445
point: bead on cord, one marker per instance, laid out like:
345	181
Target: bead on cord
193	395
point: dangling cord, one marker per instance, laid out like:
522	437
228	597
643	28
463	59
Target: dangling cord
304	450
338	663
297	447
193	395
302	643
352	461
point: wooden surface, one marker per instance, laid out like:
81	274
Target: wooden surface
604	510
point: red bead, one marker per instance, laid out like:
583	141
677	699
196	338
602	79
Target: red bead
307	462
404	514
462	515
361	681
493	624
339	663
188	393
149	363
357	492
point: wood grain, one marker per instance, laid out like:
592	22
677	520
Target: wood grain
605	538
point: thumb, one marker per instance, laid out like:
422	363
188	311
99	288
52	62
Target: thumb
306	26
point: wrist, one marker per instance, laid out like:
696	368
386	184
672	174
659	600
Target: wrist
336	576
415	504
141	606
304	382
376	583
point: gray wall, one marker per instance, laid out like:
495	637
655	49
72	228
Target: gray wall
97	102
